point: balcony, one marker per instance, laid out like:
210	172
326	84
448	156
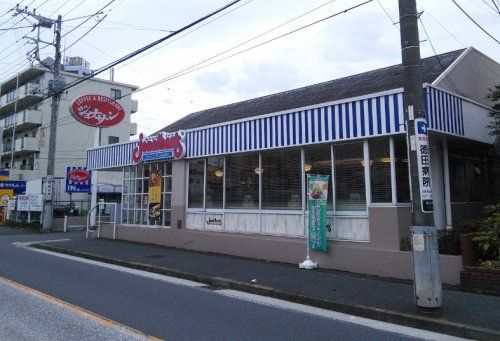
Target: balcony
24	145
22	120
29	94
133	129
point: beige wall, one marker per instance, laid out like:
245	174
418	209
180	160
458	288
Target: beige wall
352	257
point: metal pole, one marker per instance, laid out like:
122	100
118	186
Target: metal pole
47	223
427	282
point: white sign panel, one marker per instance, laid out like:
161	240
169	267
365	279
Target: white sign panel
424	165
36	203
11	205
23	202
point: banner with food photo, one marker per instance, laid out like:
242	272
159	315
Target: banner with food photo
317	194
154	195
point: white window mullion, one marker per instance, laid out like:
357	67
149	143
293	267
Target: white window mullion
332	151
366	156
393	170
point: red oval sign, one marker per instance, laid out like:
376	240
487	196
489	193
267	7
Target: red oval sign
97	111
79	176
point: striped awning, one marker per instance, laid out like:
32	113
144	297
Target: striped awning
367	117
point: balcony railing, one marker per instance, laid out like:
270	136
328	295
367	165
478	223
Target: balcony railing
22	119
24	144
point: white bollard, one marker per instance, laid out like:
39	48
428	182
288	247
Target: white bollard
65	222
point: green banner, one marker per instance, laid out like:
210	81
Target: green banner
317	194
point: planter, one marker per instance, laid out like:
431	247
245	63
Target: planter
469	257
481	279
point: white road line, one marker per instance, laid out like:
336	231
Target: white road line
379	325
146	274
263	300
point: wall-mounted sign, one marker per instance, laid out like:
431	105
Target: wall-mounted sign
97	111
19	187
78	180
160	146
424	167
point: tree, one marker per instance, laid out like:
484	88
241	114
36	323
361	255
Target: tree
494	125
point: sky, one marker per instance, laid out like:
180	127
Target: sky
359	40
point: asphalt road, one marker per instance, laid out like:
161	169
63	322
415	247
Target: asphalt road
163	307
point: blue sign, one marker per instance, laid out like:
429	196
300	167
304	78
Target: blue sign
78	180
19	187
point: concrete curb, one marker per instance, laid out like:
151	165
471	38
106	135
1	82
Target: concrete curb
405	319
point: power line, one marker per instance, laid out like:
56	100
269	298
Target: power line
442	26
192	69
475	22
83	36
130	55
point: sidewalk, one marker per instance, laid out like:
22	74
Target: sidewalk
464	314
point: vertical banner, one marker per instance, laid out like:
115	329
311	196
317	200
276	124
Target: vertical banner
424	167
155	195
317	193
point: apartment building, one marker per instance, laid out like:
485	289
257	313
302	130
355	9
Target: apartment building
25	122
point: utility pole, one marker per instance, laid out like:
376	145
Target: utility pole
427	280
54	88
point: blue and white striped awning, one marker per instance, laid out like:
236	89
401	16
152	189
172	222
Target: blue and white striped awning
339	121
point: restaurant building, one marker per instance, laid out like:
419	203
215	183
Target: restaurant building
232	179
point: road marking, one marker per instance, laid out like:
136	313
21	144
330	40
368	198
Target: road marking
41	241
379	325
263	300
151	275
74	309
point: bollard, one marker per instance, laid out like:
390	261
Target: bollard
427	276
65	222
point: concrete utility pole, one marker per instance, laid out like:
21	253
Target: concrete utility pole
48	207
427	281
54	88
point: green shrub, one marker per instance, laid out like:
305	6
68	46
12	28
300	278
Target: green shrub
449	240
489	237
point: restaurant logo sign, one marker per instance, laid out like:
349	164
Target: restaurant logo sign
78	180
159	147
97	111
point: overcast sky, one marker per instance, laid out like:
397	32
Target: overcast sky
359	40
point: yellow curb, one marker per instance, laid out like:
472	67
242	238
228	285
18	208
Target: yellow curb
72	308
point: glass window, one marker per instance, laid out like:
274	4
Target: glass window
402	175
474	174
196	180
318	160
116	94
215	182
380	171
350	178
113	139
242	181
457	178
281	179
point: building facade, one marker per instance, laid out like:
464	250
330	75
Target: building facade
25	136
233	179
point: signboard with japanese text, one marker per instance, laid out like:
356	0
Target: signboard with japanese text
23	203
36	202
97	111
317	193
19	187
423	162
78	180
